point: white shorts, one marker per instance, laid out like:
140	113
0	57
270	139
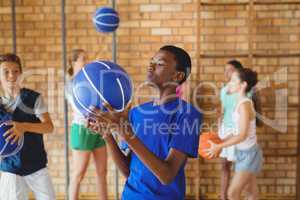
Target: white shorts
229	152
15	187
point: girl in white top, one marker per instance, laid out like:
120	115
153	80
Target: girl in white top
84	143
226	126
248	154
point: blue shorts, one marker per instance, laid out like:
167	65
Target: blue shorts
249	160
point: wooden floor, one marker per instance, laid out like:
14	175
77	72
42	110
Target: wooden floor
205	197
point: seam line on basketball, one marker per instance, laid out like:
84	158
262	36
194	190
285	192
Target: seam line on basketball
93	86
122	92
3	149
120	85
107	14
5	144
20	145
95	19
102	63
105	24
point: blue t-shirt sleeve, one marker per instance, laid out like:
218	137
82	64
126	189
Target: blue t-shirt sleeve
185	137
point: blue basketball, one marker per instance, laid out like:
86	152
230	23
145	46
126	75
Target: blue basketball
106	19
101	82
6	148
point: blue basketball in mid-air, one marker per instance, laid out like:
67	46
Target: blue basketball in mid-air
101	82
6	148
106	19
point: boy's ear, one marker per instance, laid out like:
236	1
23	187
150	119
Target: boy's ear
179	76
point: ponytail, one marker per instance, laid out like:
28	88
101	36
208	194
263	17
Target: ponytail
257	106
72	58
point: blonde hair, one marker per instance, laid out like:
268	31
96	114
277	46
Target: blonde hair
72	58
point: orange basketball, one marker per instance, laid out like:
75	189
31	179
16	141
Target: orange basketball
203	143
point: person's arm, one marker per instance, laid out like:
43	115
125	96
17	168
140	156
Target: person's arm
244	110
99	125
227	138
164	170
44	127
122	161
19	128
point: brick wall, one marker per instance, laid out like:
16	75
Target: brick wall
262	36
266	37
6	36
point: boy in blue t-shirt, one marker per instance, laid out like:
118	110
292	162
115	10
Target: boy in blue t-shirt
161	134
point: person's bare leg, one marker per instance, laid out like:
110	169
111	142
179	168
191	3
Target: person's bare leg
252	189
100	158
80	163
225	178
239	181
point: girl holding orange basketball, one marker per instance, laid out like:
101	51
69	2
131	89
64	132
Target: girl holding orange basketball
85	143
248	155
229	102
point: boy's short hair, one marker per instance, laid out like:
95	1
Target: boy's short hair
183	60
10	57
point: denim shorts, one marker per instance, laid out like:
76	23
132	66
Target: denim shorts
249	160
